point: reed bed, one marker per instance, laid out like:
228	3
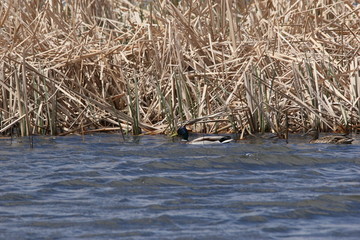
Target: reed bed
149	66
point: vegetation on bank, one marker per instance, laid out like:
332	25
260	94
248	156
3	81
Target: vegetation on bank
149	66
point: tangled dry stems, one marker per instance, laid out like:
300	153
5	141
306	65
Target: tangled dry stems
256	66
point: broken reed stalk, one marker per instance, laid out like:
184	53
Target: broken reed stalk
149	66
19	94
27	131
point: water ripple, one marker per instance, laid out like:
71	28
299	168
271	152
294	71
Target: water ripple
154	187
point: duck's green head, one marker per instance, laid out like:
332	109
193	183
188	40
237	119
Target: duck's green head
183	132
313	132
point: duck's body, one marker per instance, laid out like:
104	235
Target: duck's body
184	134
211	140
332	139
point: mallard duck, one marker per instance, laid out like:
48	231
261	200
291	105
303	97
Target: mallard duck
184	134
334	139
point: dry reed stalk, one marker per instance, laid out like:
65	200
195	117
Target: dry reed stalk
19	94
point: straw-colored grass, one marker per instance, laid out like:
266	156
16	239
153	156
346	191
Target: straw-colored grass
237	66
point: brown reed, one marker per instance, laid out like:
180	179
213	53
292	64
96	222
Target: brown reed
150	66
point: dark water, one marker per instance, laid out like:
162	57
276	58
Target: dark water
100	187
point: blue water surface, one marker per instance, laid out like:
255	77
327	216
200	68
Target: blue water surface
155	187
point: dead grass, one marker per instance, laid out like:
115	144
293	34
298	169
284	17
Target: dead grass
236	66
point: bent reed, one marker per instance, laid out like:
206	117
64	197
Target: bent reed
150	66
